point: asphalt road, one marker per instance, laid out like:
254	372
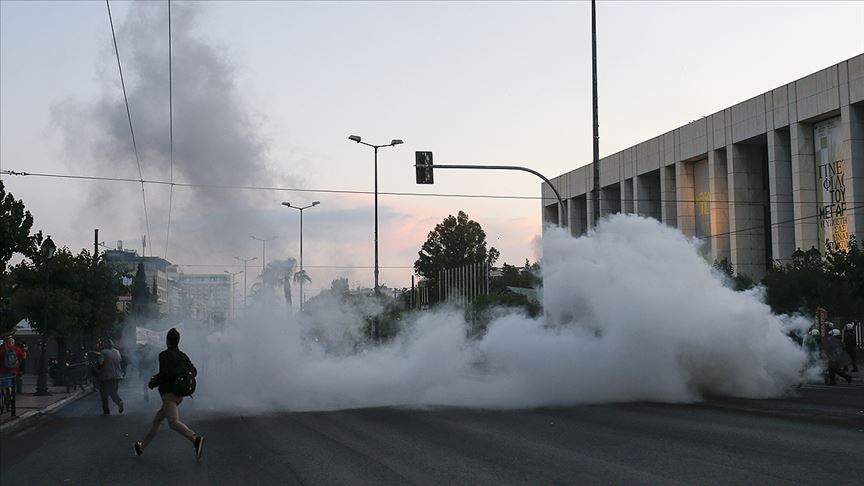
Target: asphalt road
815	436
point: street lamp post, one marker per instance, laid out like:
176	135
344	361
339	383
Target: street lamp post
245	261
301	209
263	250
233	290
393	143
48	249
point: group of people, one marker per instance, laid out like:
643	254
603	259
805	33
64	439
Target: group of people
175	380
832	348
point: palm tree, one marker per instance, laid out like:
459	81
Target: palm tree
302	277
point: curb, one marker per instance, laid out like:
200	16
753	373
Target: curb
28	418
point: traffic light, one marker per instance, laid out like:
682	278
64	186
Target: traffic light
423	164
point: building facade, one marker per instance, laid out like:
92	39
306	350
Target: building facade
207	297
756	181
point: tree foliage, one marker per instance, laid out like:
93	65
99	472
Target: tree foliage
457	241
67	296
15	225
834	281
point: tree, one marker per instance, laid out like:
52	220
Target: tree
834	281
69	296
142	303
15	225
455	242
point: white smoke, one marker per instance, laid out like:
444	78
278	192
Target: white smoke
633	312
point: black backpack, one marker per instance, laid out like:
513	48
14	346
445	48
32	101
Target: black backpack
184	383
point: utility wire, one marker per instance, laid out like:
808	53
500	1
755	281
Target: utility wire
850	212
170	130
336	191
129	117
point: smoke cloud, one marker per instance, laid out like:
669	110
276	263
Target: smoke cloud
217	137
633	313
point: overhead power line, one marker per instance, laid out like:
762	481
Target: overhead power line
129	117
334	191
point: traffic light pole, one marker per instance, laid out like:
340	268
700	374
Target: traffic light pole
511	167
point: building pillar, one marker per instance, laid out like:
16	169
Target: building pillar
852	142
804	186
746	211
685	187
780	186
627	196
668	196
718	185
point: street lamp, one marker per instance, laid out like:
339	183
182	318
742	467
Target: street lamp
245	261
263	248
233	290
48	248
393	143
301	209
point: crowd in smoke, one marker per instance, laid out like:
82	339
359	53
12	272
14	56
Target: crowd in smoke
632	313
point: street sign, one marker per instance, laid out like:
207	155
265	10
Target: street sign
423	165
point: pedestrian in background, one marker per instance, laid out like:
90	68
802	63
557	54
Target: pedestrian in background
849	342
19	380
10	362
175	371
836	356
110	374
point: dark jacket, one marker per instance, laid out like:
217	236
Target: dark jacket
849	339
172	362
837	356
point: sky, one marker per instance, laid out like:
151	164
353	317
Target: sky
266	94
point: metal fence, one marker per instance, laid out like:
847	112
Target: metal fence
461	285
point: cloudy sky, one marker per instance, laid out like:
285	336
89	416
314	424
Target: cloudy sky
266	94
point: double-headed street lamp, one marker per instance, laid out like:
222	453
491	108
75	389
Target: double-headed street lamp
393	143
245	272
233	290
263	249
301	209
48	249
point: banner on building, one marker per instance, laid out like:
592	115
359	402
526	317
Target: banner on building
833	224
703	199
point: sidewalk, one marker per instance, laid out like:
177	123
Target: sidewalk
30	407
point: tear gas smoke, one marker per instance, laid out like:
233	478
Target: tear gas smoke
635	313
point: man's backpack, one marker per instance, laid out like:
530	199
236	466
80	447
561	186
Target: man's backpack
10	359
184	383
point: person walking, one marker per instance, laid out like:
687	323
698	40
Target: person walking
110	374
175	373
837	357
851	345
11	357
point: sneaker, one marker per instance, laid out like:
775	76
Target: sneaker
199	447
138	448
120	409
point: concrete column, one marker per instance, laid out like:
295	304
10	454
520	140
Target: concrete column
780	186
718	185
627	196
646	195
685	187
852	140
746	213
668	196
578	213
804	186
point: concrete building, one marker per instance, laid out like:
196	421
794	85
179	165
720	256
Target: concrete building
207	297
126	262
758	180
